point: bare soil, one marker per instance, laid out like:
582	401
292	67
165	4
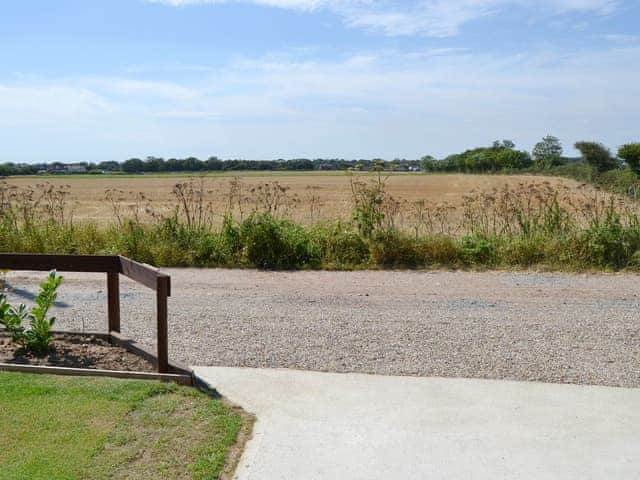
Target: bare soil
76	351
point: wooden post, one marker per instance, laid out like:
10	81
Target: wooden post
113	298
162	293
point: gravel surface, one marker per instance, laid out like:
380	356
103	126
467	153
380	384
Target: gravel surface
546	327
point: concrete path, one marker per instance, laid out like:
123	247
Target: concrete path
352	426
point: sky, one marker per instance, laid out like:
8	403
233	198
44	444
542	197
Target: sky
95	80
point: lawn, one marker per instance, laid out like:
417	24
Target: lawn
96	428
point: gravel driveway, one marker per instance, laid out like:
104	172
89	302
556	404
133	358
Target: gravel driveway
546	327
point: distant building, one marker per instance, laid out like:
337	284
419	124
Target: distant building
326	166
75	168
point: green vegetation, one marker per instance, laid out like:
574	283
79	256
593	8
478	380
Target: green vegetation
500	157
597	155
156	165
547	153
37	337
530	225
630	153
75	428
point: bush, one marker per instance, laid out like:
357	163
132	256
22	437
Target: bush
37	337
620	180
524	251
392	249
439	250
271	243
609	243
477	250
341	246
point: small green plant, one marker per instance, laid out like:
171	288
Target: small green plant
37	337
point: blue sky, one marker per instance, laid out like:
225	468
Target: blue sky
110	79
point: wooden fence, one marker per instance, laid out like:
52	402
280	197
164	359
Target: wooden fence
113	266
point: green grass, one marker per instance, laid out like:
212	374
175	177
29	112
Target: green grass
76	428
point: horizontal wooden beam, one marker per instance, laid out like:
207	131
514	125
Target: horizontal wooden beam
144	274
95	372
63	263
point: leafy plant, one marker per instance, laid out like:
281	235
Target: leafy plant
37	337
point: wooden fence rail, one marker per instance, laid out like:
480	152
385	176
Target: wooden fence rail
113	266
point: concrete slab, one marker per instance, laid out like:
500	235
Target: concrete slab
351	426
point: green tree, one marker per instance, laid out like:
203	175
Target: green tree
154	164
133	165
213	163
630	153
597	155
428	163
547	153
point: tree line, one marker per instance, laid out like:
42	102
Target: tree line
546	154
212	164
501	156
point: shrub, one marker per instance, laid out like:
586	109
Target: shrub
478	250
392	249
439	250
620	180
609	243
341	246
37	337
523	250
276	244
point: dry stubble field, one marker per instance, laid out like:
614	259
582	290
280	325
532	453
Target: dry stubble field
318	195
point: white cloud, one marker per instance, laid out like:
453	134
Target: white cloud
370	104
436	18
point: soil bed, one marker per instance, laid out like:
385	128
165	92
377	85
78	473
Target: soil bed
76	351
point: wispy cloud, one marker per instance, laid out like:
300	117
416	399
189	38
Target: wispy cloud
435	18
368	104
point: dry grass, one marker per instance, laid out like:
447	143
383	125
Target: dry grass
317	196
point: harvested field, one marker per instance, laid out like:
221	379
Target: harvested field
317	196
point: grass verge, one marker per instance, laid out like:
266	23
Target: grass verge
96	428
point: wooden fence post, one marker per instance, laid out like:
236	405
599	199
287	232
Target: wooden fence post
162	293
113	299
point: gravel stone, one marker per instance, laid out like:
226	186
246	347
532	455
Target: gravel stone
559	328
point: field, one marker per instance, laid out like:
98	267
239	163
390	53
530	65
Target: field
310	196
325	220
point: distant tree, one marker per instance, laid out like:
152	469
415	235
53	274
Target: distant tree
172	165
597	155
7	169
109	165
428	163
548	152
630	153
192	164
513	159
213	163
133	165
154	164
